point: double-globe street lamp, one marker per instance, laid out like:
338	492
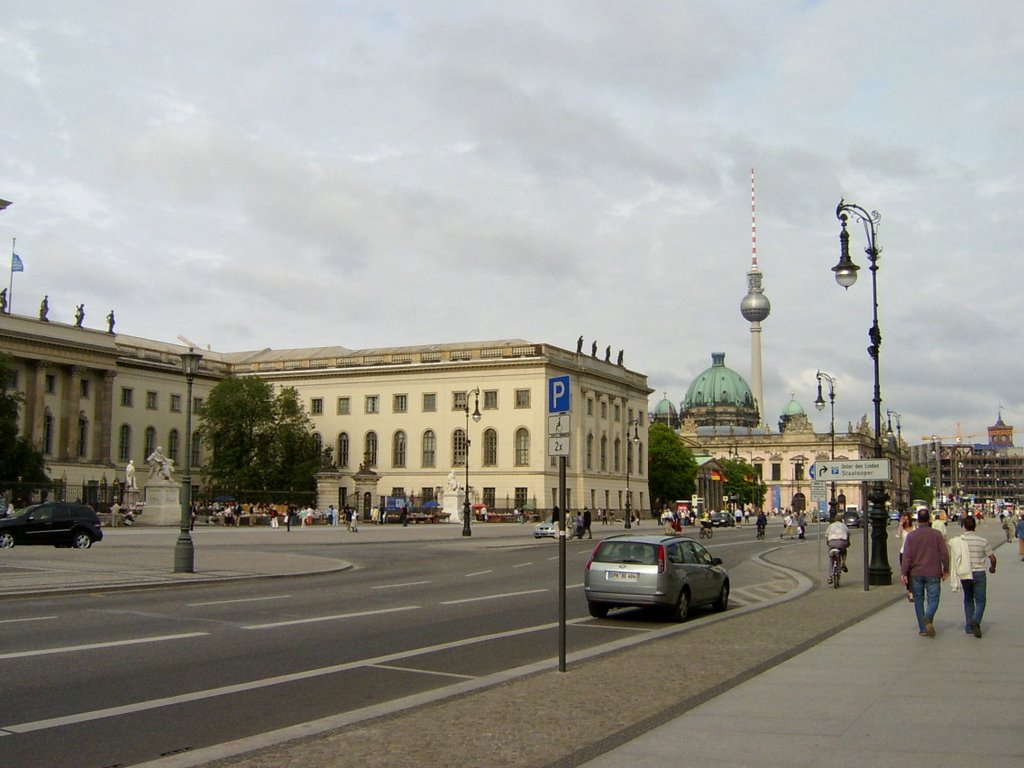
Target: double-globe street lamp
879	572
466	529
634	425
819	403
184	551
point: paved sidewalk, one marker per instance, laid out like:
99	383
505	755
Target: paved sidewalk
875	694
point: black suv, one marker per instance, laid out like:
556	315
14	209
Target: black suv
53	522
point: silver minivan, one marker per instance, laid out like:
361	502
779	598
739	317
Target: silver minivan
670	572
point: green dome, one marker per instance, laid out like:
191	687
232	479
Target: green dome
718	386
665	408
793	408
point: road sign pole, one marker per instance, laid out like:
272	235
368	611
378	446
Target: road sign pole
561	563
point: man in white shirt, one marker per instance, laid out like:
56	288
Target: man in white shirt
838	537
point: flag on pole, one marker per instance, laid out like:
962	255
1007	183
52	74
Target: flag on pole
17	265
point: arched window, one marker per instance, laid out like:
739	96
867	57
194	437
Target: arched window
522	447
197	449
83	436
616	454
371	449
172	445
604	453
459	448
318	443
490	447
48	432
124	443
590	450
429	449
343	449
150	442
398	450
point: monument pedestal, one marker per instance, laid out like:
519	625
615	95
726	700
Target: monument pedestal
453	502
162	503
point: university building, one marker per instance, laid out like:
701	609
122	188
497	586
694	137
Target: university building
95	399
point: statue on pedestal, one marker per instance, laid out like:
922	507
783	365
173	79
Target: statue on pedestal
129	474
160	465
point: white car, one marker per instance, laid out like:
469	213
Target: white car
545	530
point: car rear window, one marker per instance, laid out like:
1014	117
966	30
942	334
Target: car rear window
627	552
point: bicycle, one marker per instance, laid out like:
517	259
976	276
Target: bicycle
706	531
835	557
760	532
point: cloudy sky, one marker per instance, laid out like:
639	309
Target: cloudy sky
264	174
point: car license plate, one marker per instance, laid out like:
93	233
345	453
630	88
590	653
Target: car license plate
621	576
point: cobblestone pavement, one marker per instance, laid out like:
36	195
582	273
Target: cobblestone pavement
563	719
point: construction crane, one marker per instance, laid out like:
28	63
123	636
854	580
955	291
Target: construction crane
959	436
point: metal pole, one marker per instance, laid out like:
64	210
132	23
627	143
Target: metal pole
184	549
561	563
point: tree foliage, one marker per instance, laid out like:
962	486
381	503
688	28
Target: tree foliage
918	487
671	466
256	440
741	482
19	460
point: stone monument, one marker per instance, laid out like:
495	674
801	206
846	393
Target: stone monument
454	498
162	495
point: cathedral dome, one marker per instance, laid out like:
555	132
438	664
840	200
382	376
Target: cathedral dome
720	396
665	413
793	408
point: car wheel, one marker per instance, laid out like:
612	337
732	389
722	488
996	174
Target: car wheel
6	540
681	609
723	598
597	610
81	540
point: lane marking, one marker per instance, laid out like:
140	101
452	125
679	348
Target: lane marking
396	586
334	617
93	646
419	671
521	565
479	573
210	693
34	618
493	597
239	600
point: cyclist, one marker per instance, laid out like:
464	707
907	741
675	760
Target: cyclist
762	523
837	535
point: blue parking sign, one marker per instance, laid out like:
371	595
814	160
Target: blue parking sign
558	394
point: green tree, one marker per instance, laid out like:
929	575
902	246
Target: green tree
256	440
919	488
19	460
671	466
741	482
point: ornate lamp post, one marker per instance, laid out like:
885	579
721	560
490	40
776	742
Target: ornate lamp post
897	441
819	403
879	572
466	529
634	438
184	551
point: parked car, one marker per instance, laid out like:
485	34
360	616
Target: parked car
545	530
722	519
672	573
55	523
852	518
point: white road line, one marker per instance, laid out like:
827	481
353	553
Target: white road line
92	646
521	565
239	600
334	617
397	586
478	573
493	597
252	685
34	618
418	671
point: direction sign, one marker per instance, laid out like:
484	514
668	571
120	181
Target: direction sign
559	424
558	394
819	490
856	469
558	446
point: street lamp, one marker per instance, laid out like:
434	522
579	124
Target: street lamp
634	438
896	440
184	551
879	572
466	530
819	403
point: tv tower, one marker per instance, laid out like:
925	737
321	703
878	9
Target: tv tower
755	307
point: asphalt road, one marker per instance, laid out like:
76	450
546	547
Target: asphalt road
115	678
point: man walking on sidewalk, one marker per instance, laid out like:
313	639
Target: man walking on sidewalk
925	566
968	554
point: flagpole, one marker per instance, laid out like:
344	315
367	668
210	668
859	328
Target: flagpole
10	288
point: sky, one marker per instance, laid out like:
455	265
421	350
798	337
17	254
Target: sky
254	174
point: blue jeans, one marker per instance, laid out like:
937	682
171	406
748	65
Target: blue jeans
922	587
974	599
